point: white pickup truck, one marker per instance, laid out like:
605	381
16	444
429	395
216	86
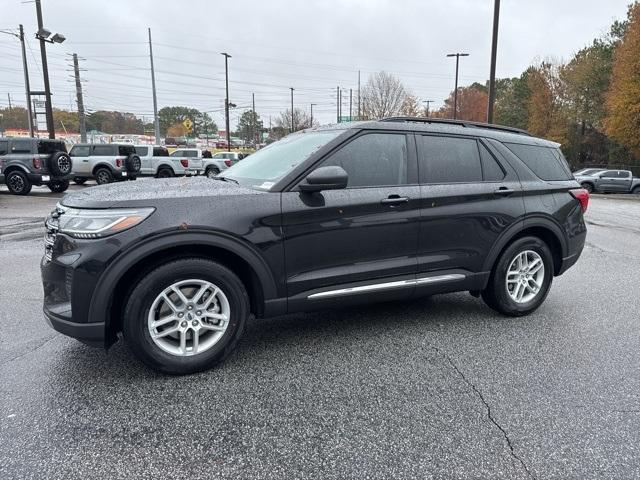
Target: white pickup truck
157	162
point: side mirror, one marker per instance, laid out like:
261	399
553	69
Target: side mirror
325	178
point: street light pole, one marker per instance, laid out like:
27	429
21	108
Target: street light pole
455	93
293	125
428	102
226	101
156	120
45	73
494	50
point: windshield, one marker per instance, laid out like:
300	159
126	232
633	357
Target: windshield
588	171
268	165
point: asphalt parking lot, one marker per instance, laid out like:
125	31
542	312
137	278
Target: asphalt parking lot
433	388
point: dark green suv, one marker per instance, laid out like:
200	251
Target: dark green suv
25	162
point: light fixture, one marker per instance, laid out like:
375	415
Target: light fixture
58	38
44	33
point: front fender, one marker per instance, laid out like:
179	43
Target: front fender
102	296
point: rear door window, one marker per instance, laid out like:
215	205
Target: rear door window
547	163
609	174
177	153
80	151
142	151
491	169
449	160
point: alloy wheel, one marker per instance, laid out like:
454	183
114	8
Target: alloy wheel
525	276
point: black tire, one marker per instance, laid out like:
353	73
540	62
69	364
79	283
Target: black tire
636	190
79	180
136	332
212	172
58	186
18	183
165	173
587	186
60	164
133	163
496	295
103	176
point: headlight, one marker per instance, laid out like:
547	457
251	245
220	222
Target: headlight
81	223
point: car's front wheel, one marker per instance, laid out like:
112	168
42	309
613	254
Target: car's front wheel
521	278
185	316
212	172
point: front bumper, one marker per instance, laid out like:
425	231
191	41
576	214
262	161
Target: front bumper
90	333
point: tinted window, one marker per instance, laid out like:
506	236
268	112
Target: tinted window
491	169
609	174
142	150
102	150
546	162
190	153
4	147
80	151
21	146
126	150
449	160
177	153
373	159
160	152
51	147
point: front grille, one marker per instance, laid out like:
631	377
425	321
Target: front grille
51	225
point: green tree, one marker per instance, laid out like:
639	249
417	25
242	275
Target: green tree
14	118
249	126
202	122
512	98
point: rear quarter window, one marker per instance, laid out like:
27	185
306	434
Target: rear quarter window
51	147
126	150
547	163
21	146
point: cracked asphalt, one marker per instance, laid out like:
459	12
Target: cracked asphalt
433	388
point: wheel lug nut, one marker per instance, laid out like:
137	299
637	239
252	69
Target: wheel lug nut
183	324
180	315
189	307
194	323
198	312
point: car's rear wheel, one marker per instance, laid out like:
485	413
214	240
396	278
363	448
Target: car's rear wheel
212	172
79	180
588	187
18	183
185	316
521	278
165	173
103	176
58	186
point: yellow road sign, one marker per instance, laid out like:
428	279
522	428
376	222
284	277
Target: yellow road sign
188	124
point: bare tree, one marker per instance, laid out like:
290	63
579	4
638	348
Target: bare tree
383	96
301	118
411	107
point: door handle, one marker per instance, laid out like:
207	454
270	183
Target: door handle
85	160
503	192
394	200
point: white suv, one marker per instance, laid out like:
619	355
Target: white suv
106	162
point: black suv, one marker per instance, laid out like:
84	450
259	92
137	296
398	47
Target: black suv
25	162
348	214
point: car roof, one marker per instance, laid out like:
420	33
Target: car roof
446	126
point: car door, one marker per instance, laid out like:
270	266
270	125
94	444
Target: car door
363	235
80	159
145	160
609	181
624	179
468	199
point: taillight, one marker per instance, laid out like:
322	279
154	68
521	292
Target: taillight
227	163
582	196
184	162
37	163
118	162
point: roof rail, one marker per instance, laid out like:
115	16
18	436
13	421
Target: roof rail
461	123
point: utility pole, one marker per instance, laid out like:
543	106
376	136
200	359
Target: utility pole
494	51
9	97
83	125
156	120
359	95
338	104
27	88
455	93
45	72
312	114
226	100
350	103
293	128
253	118
428	102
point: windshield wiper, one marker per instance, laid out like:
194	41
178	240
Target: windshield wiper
227	179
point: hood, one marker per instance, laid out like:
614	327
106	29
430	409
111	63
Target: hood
582	178
149	191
